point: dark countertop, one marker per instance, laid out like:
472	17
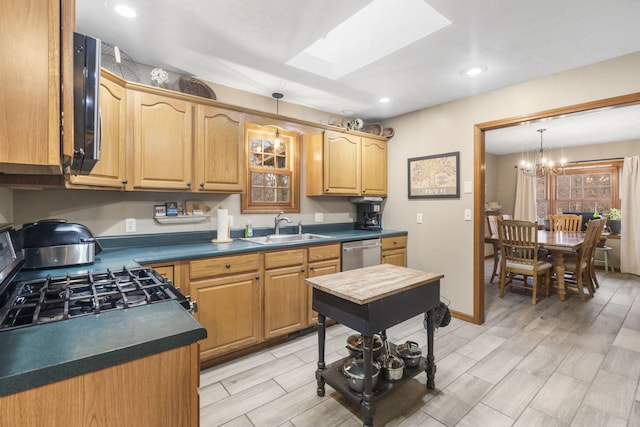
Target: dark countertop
38	355
34	356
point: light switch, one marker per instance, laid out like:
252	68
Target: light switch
468	187
467	214
319	217
419	218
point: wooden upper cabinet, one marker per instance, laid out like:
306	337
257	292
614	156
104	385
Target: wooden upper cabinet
342	163
374	167
109	172
219	150
30	92
162	141
345	164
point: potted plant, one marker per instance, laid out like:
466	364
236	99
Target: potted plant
613	220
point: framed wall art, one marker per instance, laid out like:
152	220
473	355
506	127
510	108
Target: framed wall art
435	177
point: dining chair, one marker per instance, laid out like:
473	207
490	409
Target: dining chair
519	247
492	223
578	269
592	256
565	222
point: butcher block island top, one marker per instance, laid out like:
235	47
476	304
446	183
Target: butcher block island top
368	284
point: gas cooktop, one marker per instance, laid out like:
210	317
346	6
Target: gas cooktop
63	297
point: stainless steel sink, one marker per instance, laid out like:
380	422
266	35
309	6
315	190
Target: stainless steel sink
280	239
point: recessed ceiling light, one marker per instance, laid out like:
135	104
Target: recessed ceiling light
474	71
125	11
383	100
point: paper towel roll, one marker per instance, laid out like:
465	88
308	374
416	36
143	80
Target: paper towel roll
223	224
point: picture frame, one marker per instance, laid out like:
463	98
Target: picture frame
434	177
160	210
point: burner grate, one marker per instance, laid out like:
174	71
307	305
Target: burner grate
67	296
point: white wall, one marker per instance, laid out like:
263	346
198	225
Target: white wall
444	242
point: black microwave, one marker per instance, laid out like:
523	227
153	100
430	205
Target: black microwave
87	123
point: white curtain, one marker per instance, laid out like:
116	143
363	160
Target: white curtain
525	205
630	221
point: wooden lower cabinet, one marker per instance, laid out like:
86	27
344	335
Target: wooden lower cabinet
394	250
174	271
228	291
285	296
322	260
157	390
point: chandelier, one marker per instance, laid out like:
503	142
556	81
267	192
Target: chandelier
539	161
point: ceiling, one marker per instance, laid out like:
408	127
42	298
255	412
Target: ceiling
246	44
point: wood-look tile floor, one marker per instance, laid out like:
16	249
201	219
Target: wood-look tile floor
555	364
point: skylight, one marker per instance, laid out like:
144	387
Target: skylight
377	30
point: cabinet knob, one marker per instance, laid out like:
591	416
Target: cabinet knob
258	277
228	265
302	269
202	185
364	191
125	181
311	268
188	183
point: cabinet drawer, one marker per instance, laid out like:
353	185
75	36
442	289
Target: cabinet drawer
224	265
279	259
394	242
319	253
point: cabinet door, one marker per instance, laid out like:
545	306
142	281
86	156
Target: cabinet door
395	257
162	142
374	167
30	87
219	150
230	309
285	301
341	164
110	169
319	269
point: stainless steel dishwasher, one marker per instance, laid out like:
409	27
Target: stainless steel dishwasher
360	253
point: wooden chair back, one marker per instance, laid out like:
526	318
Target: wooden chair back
518	242
519	247
492	222
565	222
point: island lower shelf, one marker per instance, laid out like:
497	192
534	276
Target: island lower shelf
333	376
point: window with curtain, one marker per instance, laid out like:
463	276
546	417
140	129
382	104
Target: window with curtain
584	187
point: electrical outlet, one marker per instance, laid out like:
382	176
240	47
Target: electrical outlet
419	218
319	217
130	225
467	214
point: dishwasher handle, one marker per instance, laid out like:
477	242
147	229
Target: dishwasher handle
360	248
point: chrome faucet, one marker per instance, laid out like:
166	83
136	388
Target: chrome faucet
278	220
299	227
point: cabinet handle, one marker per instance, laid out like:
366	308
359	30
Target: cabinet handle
302	269
228	265
202	185
125	181
258	277
311	268
327	190
188	183
364	191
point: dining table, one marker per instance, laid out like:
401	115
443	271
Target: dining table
558	243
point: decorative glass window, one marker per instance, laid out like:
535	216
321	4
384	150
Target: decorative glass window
272	169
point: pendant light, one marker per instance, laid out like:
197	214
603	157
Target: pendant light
278	96
539	162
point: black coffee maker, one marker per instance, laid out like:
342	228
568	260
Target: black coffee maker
368	213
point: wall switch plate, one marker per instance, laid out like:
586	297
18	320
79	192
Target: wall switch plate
419	218
319	217
468	187
467	214
130	225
